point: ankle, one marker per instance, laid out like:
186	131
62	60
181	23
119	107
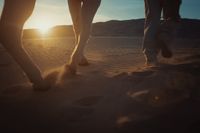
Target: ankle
151	58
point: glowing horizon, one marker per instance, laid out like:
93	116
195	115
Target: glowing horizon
50	13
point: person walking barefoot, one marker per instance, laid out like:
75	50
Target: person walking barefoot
14	15
82	14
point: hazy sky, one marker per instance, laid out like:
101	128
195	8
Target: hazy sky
55	12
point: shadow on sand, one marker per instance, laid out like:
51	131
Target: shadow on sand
148	100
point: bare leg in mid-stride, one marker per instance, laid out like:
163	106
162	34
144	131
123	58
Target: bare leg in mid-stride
82	14
14	15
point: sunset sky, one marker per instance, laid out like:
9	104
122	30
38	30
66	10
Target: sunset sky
55	12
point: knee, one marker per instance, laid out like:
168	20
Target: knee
17	14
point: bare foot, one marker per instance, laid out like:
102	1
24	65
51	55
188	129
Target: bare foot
51	77
165	50
66	72
83	62
50	80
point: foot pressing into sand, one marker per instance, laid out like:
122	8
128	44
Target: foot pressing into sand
84	61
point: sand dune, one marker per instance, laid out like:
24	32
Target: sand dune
116	93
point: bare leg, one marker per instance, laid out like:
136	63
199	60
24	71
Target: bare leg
75	7
11	26
85	18
75	11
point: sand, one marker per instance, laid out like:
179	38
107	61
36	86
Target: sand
115	93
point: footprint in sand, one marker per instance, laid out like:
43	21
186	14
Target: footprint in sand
88	101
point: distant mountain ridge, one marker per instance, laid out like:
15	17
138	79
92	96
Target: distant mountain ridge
189	28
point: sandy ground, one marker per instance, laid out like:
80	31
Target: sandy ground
114	94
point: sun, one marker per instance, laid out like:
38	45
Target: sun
44	29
